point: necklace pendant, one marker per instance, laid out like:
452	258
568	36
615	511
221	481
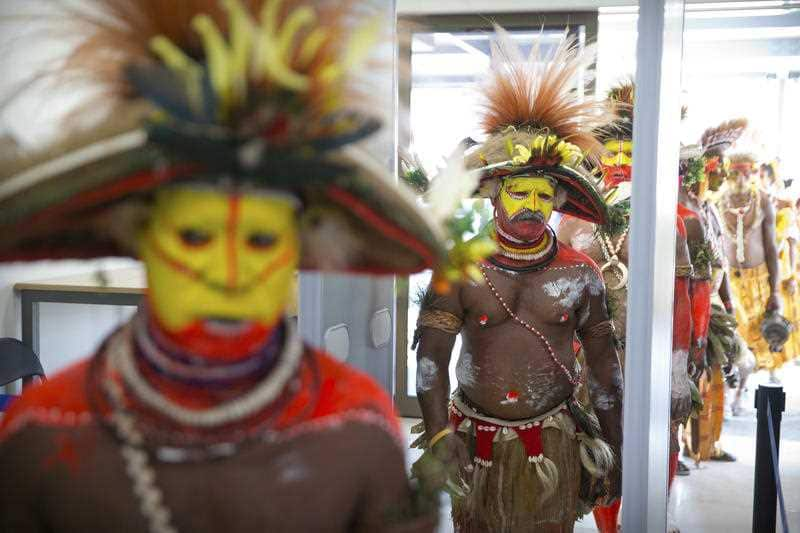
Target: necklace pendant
619	270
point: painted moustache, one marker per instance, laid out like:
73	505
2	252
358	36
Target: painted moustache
526	215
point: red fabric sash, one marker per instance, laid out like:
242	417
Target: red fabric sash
529	434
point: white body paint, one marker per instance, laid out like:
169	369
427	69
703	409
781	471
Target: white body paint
292	468
426	374
680	374
583	240
569	290
601	397
466	371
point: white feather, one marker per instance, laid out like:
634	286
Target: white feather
453	184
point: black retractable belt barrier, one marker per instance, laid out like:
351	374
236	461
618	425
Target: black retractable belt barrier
770	404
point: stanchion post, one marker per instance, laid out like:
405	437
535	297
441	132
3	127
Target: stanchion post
765	494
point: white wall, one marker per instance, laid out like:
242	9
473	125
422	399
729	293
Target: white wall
68	332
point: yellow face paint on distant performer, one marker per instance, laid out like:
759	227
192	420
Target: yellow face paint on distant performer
524	192
231	258
620	153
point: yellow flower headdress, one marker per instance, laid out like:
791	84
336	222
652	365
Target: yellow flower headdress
537	122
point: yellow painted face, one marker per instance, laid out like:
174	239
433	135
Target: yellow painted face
620	153
219	256
524	192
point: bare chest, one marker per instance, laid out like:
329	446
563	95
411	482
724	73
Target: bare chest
554	297
260	488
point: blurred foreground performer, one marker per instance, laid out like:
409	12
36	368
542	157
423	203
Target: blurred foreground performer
525	454
608	246
699	163
748	216
226	162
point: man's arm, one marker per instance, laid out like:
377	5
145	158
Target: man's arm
725	293
605	380
440	320
771	254
386	503
700	287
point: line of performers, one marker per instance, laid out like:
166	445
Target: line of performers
223	150
553	295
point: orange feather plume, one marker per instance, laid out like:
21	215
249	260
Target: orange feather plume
539	93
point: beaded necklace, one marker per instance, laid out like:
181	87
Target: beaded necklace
575	380
511	253
121	358
119	354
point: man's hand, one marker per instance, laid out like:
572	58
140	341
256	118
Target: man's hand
774	303
447	466
697	360
458	467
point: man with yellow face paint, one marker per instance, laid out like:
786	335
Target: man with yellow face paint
224	168
513	436
608	246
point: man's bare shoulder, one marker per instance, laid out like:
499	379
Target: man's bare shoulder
568	258
569	226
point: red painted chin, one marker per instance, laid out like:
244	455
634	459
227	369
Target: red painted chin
220	342
526	231
614	175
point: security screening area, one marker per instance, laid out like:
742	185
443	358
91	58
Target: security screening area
299	265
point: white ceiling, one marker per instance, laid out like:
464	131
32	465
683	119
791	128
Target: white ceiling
430	7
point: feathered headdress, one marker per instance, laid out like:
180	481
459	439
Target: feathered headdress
537	123
619	100
236	93
715	141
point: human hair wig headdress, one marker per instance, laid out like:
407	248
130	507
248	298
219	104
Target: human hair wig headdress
238	94
537	123
619	100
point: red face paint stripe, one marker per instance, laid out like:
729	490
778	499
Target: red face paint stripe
388	229
234	208
173	263
279	262
135	182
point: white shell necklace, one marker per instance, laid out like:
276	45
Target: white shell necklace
740	213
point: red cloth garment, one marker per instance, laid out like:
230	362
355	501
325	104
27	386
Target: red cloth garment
701	317
607	517
682	319
700	294
63	399
673	467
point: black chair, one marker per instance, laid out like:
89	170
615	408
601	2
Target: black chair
17	361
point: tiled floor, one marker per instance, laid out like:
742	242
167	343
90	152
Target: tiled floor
718	497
